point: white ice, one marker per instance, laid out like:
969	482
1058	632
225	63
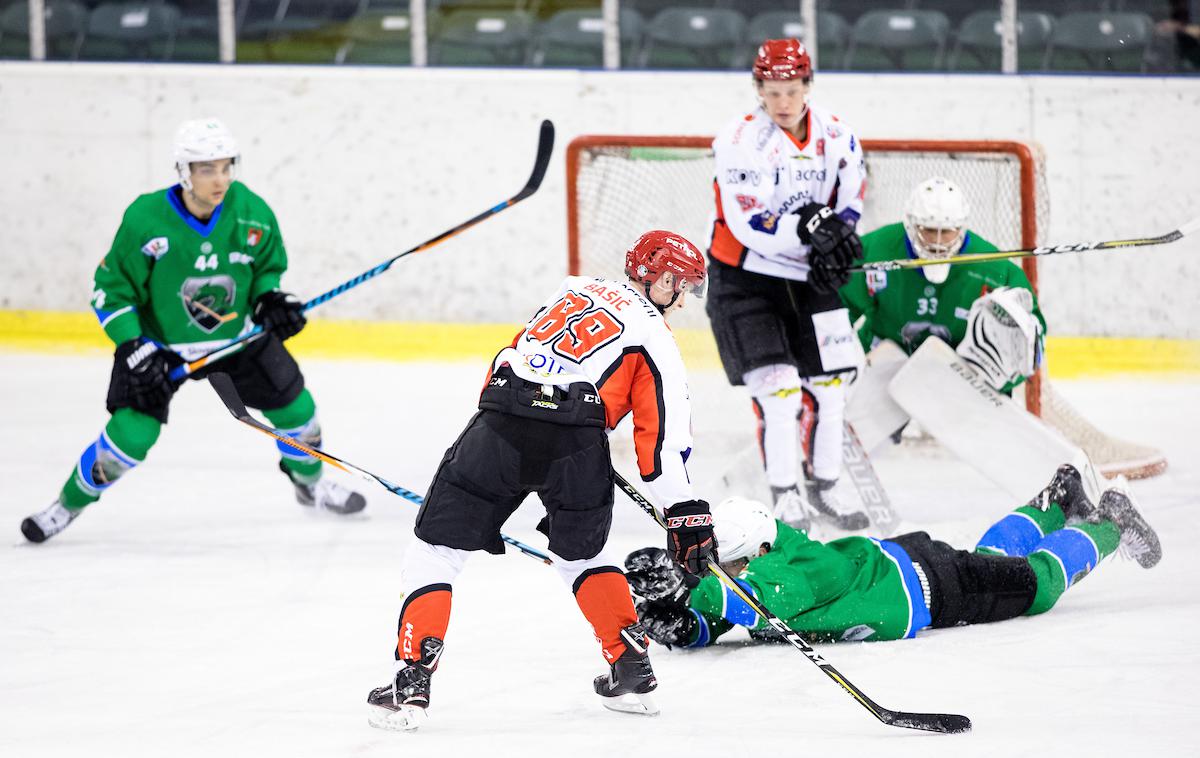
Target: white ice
199	611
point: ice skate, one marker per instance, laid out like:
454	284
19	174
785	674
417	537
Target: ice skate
327	495
791	509
402	706
627	686
1066	489
824	501
45	524
1139	541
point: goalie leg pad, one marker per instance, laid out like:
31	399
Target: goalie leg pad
776	393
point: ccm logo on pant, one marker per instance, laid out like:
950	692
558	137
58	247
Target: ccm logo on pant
699	519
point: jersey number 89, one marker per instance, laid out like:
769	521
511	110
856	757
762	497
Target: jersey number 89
575	328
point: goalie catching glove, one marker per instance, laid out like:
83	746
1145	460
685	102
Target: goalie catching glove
1004	339
833	246
690	537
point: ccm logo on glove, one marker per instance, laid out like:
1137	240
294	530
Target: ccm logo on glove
699	519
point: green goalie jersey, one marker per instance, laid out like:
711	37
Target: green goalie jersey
905	307
853	588
183	282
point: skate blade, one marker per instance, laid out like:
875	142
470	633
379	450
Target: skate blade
405	718
632	702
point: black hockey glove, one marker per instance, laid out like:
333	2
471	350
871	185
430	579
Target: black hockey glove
143	373
653	575
279	313
690	537
667	623
833	246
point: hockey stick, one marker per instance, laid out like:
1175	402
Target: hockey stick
866	482
947	723
233	402
541	162
1079	247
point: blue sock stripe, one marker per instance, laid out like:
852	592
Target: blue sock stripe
738	611
1074	550
705	633
104	458
919	615
1015	534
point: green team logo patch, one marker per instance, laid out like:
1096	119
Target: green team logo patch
208	300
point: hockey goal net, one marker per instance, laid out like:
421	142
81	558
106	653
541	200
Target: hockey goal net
619	186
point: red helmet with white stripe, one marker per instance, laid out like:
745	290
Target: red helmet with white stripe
657	252
782	60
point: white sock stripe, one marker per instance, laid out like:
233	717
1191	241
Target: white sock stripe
1062	567
1092	542
126	458
1026	516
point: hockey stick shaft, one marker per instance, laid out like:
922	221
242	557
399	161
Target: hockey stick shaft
1190	227
948	723
233	403
541	162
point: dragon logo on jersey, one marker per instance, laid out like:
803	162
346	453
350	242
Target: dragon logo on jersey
208	300
914	333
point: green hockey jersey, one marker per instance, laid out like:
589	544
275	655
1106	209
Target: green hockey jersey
854	588
186	283
905	307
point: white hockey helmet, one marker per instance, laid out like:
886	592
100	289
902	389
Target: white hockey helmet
936	203
741	526
204	139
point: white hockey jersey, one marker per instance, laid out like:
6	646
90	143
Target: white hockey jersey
607	333
764	174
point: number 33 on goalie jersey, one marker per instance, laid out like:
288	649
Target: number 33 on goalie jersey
607	333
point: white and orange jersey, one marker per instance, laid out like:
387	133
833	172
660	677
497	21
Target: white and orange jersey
764	174
607	333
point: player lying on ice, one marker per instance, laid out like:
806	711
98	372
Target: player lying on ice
858	588
597	350
192	267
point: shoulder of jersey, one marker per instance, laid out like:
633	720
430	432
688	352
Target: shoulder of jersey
832	127
749	131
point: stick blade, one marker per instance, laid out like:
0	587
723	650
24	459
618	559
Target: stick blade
944	723
544	149
223	385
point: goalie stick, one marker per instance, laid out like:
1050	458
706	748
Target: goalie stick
947	723
1031	252
541	162
233	402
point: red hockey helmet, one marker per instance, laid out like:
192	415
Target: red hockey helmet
657	252
782	60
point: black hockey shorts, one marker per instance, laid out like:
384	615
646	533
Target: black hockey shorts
499	460
761	320
265	375
967	587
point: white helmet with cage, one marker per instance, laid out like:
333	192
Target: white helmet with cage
205	139
936	204
741	527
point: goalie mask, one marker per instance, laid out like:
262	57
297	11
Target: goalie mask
936	224
658	252
203	140
741	527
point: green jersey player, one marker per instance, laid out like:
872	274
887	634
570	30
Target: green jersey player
864	589
191	267
909	305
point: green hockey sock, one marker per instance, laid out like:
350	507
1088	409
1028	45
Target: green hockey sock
1019	532
123	444
298	419
1066	556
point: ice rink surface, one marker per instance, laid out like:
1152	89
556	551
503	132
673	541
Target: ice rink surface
199	611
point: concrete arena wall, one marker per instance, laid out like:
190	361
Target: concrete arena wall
362	163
